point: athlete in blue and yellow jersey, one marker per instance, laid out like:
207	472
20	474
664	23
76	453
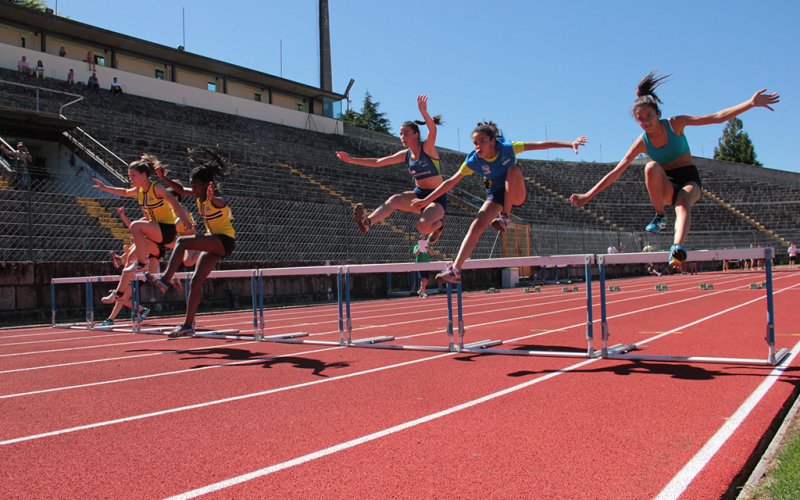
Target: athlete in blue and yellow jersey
158	228
495	159
671	177
423	164
217	243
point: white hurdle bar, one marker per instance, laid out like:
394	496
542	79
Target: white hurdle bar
379	342
298	337
772	358
485	346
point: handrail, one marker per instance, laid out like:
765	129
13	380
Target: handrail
104	156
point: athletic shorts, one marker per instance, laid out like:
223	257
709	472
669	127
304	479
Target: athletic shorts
682	176
168	233
422	193
228	243
499	196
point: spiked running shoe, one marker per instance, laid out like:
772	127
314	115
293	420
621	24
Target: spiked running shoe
436	234
422	294
107	322
360	216
677	256
181	331
136	267
500	222
656	225
113	296
449	275
157	282
144	313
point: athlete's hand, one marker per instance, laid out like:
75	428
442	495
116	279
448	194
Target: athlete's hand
419	203
210	192
579	200
159	169
344	157
580	141
98	183
760	99
422	104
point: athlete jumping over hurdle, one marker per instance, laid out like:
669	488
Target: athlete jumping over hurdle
671	177
423	164
495	159
219	240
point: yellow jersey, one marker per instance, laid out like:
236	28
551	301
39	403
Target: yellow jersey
156	208
216	220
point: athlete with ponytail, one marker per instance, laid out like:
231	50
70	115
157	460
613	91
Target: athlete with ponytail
670	176
423	164
495	159
217	243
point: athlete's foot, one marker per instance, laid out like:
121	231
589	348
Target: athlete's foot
107	322
116	260
677	256
449	275
113	296
136	267
181	331
436	234
360	216
157	281
422	294
500	222
144	313
658	223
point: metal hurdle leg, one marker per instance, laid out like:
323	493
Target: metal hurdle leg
89	304
606	351
52	303
587	273
773	358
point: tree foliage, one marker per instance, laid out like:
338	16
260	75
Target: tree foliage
735	145
32	4
369	118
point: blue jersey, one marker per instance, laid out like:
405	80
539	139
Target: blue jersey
493	170
675	147
424	166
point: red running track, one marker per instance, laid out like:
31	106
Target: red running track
95	414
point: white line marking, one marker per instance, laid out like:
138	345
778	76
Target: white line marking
686	475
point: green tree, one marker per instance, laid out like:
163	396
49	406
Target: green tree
735	145
32	4
369	117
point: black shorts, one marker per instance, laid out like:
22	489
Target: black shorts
422	193
682	176
499	197
168	233
228	243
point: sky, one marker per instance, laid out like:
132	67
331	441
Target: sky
540	70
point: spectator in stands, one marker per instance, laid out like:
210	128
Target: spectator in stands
62	51
423	164
23	66
219	240
116	88
495	159
612	249
649	248
90	60
792	255
151	236
40	69
21	158
71	77
422	254
671	177
93	83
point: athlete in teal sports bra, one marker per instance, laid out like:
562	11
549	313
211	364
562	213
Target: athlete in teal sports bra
671	178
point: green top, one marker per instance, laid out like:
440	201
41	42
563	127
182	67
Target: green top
421	256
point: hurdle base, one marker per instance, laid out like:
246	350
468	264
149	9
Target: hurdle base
617	349
480	345
780	356
699	359
285	336
231	334
296	338
372	340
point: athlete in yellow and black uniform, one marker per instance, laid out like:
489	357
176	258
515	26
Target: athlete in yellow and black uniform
219	240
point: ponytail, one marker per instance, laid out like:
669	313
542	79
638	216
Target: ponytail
645	92
489	128
206	164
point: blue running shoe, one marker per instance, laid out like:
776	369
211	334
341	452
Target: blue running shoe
144	313
107	322
658	223
677	256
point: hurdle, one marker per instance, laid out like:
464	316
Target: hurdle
298	337
485	346
382	342
772	358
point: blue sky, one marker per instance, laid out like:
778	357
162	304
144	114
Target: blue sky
555	68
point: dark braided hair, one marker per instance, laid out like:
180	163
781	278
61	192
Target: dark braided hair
646	92
206	164
489	128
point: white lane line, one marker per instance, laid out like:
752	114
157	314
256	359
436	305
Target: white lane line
256	360
375	435
689	472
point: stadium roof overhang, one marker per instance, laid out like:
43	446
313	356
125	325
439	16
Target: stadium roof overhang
24	123
56	25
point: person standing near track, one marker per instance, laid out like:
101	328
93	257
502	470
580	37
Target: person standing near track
219	240
670	176
422	253
423	164
495	159
792	255
151	235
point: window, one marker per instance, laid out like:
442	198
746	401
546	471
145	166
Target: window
159	74
22	39
212	87
258	96
300	106
99	60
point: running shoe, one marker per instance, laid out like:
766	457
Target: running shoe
677	256
436	234
181	331
422	294
144	313
500	222
360	216
107	322
449	275
658	223
157	282
113	296
136	267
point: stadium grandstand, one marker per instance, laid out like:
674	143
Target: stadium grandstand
292	198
